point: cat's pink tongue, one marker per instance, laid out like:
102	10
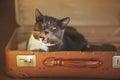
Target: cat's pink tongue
46	40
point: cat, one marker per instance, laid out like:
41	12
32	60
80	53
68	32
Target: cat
52	34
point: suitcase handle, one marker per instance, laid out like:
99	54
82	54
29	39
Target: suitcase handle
73	62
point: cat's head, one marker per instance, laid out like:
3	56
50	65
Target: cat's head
49	30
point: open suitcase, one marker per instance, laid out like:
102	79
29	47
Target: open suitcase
97	20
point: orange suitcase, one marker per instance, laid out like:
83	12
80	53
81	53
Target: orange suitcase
97	20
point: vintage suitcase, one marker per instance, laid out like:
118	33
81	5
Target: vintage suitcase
97	20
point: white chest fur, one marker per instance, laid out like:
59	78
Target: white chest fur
34	44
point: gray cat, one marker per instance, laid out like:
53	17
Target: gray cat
52	34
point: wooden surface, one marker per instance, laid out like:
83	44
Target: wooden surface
7	26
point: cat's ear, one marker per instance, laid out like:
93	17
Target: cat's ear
65	21
38	14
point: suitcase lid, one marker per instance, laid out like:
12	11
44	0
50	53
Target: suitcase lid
81	12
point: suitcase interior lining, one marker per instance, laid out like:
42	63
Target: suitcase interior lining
95	36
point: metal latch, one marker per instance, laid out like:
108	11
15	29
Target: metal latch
26	60
116	62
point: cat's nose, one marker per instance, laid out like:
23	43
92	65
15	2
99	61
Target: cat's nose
46	32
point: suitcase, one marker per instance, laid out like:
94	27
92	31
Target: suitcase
97	20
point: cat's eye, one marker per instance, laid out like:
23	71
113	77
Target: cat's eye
44	24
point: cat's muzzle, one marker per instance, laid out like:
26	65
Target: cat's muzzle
44	39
